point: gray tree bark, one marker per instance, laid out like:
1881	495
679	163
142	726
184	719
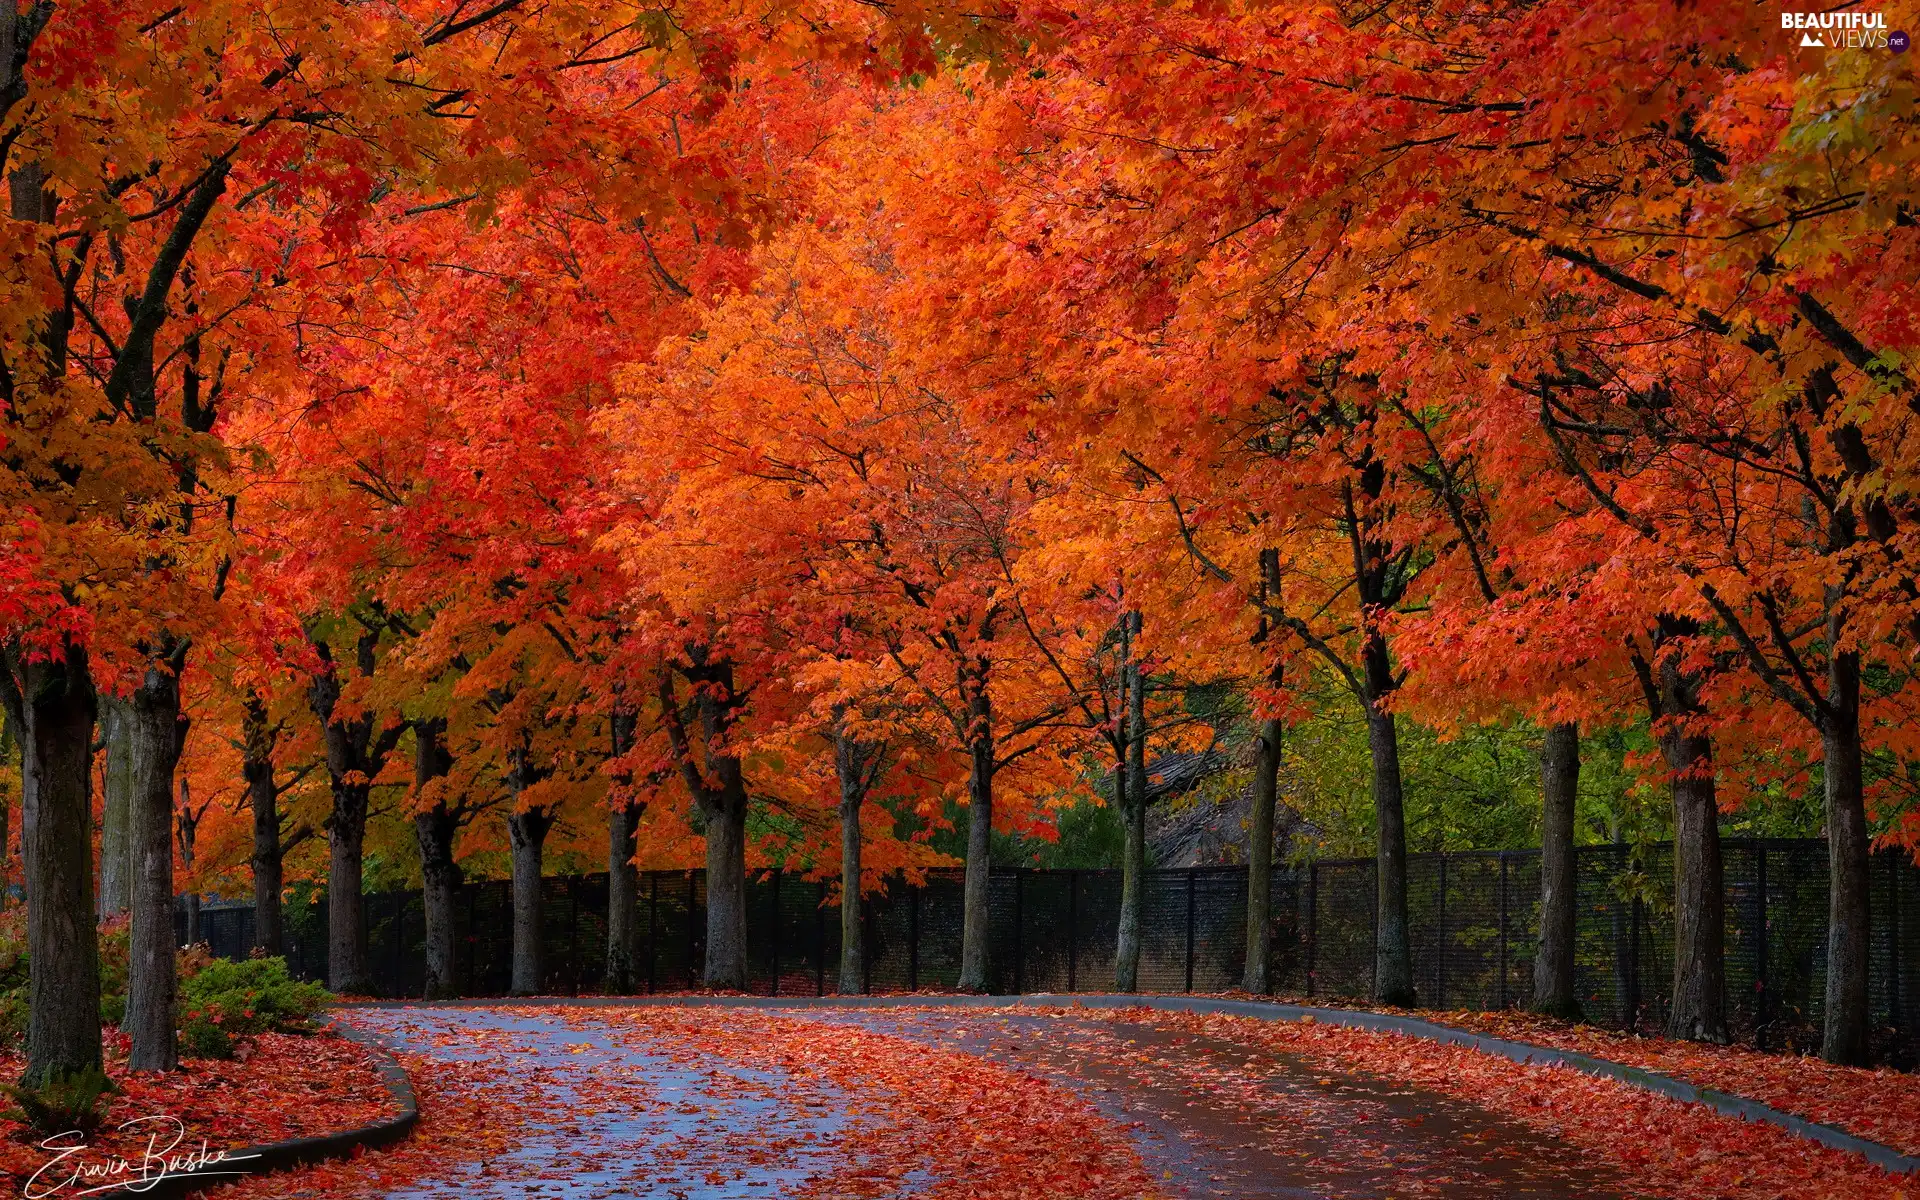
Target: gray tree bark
528	829
1553	987
157	732
720	793
856	765
434	827
726	820
51	705
263	797
1133	809
9	750
346	936
356	752
1393	939
623	881
1258	977
1846	1017
975	911
187	827
116	894
1699	916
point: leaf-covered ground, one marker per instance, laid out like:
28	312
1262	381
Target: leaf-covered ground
1660	1147
562	1102
1880	1104
286	1086
686	1103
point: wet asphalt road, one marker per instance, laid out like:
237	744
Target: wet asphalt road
613	1119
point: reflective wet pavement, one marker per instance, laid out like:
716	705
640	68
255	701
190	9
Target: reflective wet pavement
609	1117
1216	1118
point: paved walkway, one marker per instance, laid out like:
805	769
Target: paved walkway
610	1118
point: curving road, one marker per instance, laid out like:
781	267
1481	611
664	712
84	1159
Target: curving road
600	1115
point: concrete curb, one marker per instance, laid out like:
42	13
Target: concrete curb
279	1156
1884	1157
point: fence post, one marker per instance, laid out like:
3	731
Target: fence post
1893	943
1019	931
1502	994
573	934
913	939
1440	942
653	925
1313	921
775	938
693	973
1073	927
866	945
1190	877
1633	966
820	941
1762	1002
473	953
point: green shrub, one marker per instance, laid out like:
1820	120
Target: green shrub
251	996
202	1037
65	1102
218	1000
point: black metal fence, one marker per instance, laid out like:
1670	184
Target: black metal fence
1474	925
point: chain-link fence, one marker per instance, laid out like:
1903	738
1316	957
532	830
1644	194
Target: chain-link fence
1474	927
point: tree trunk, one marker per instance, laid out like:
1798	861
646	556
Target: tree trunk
720	793
976	914
355	755
51	705
853	951
851	766
1393	942
1258	977
346	936
433	831
528	832
156	733
256	768
1133	872
623	900
1559	786
116	894
8	744
1846	1016
1699	917
623	881
188	827
726	819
